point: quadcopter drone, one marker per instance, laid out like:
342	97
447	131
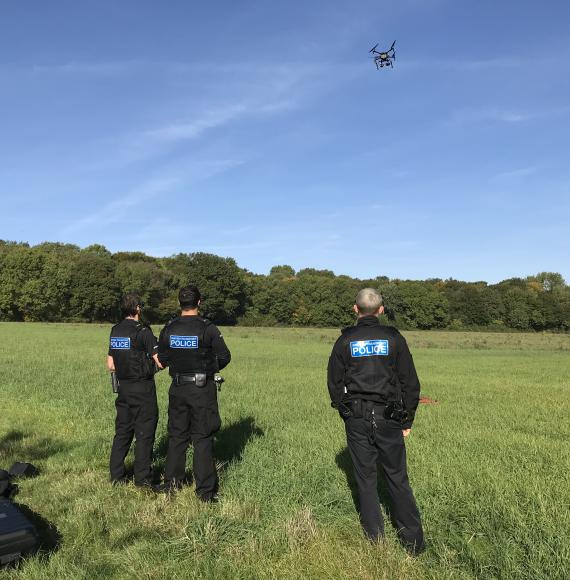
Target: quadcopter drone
382	59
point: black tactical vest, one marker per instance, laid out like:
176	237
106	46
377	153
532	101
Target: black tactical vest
188	352
132	362
371	354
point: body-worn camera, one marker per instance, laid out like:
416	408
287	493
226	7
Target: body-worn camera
396	412
218	379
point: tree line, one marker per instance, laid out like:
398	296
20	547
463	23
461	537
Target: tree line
56	282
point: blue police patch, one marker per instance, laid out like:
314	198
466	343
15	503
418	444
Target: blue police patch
183	341
369	348
120	343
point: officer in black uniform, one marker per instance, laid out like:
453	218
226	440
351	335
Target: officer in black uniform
373	383
131	351
194	350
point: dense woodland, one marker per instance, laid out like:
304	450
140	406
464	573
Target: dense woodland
60	282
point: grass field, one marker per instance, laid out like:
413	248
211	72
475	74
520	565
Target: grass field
489	464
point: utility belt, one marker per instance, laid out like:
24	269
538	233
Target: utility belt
371	410
198	379
117	383
363	409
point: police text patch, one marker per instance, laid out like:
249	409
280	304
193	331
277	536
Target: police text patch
183	341
120	342
369	348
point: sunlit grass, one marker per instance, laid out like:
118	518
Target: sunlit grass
488	463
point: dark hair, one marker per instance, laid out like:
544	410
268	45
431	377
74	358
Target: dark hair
189	296
130	303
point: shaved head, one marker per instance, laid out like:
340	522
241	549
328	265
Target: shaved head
368	301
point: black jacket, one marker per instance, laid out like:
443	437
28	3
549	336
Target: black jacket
192	344
373	363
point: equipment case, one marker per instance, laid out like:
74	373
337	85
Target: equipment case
18	536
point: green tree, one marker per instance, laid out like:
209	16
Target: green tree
20	266
313	272
324	301
95	291
221	283
284	271
275	297
416	305
550	281
517	310
147	277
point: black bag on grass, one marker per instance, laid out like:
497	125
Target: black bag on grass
7	488
18	536
22	469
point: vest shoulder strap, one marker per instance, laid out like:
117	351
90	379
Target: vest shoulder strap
171	321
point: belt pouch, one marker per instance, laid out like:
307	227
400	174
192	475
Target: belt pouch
356	406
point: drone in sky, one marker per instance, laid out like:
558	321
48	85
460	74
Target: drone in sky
382	59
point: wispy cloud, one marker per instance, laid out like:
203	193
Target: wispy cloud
194	128
108	68
500	63
153	142
115	211
267	93
476	115
118	209
483	64
515	174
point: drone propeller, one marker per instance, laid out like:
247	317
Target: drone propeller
392	47
374	47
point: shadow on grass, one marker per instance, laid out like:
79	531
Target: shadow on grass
344	463
49	536
232	440
229	445
23	447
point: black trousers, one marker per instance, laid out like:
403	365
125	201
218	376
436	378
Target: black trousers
193	416
383	447
137	417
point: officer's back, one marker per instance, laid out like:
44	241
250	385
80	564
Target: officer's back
377	362
373	383
194	350
191	344
131	352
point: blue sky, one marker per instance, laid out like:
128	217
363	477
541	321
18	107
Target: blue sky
262	131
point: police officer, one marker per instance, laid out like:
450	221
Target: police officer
131	351
373	383
194	350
